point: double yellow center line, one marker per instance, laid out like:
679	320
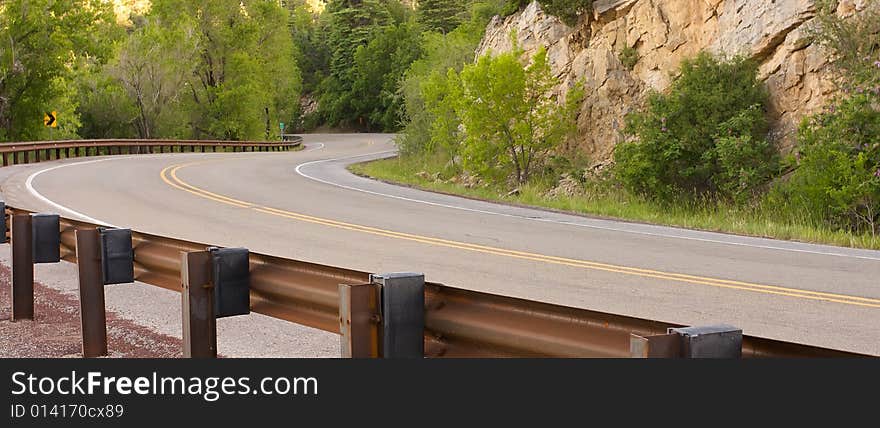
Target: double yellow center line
169	176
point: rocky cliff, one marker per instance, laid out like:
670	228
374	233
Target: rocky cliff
663	32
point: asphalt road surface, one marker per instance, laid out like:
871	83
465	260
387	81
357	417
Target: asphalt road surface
305	205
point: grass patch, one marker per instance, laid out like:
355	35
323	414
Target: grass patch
762	221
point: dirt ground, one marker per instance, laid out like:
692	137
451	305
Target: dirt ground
55	331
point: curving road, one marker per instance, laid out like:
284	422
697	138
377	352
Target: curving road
305	205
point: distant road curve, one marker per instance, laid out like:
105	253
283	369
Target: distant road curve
306	205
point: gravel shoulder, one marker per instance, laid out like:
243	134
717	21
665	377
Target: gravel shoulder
142	322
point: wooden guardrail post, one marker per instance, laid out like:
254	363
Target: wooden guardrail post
91	293
359	321
35	239
199	322
658	346
22	268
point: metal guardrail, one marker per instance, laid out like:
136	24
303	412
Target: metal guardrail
31	152
457	322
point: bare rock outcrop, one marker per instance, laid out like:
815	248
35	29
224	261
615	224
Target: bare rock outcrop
663	32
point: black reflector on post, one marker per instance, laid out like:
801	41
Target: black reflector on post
117	258
231	281
403	314
714	341
46	237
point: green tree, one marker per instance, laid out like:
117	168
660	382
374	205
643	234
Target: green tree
41	42
441	93
277	65
105	108
352	23
379	67
440	53
309	31
440	15
153	66
245	78
510	122
676	149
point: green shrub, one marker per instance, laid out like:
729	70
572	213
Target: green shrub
850	40
628	56
744	167
572	162
838	179
440	93
510	124
704	137
569	11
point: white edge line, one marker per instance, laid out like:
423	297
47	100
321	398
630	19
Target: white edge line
29	184
615	229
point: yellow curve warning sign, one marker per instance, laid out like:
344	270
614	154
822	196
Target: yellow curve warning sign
51	119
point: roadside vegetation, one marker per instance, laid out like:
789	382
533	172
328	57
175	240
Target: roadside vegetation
696	155
611	202
222	69
230	69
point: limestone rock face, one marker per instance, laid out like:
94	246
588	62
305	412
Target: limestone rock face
663	32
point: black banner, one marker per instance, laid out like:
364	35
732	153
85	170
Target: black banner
244	392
